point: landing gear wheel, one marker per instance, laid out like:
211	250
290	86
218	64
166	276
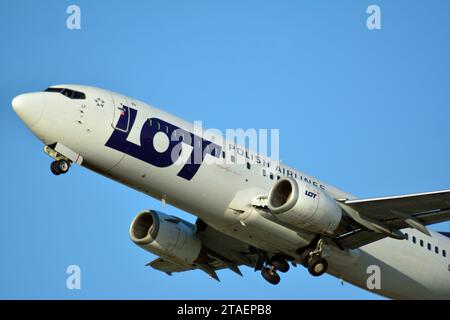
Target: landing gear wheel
59	167
54	169
63	166
270	275
305	257
280	265
317	266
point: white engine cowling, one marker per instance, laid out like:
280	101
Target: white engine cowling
304	206
166	236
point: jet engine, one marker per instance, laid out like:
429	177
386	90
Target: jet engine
166	236
304	206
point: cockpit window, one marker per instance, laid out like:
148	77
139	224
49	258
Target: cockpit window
71	94
53	90
78	95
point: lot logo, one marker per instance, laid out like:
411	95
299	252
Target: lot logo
156	155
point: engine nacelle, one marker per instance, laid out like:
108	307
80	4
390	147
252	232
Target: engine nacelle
166	236
304	206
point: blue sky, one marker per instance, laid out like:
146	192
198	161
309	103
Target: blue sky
367	111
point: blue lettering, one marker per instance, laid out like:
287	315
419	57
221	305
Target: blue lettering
147	152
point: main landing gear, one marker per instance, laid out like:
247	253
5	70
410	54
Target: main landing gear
270	268
313	261
311	258
270	275
59	167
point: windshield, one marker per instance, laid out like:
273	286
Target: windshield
71	94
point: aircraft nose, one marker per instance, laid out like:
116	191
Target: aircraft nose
29	107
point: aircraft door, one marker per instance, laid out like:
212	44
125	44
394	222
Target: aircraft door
121	117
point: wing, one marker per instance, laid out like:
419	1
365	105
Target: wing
167	266
219	252
380	217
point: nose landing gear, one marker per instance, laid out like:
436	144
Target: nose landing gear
59	167
62	162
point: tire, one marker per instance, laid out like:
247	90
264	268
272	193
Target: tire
63	166
317	266
54	168
280	265
270	276
304	257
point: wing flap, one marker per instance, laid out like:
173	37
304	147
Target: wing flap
390	214
358	238
167	266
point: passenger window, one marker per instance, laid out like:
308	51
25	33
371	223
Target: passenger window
264	172
436	249
406	236
429	246
271	176
444	253
223	154
248	166
421	243
414	239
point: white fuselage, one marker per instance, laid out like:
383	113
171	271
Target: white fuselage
219	191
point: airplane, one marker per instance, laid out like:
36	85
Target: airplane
251	211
